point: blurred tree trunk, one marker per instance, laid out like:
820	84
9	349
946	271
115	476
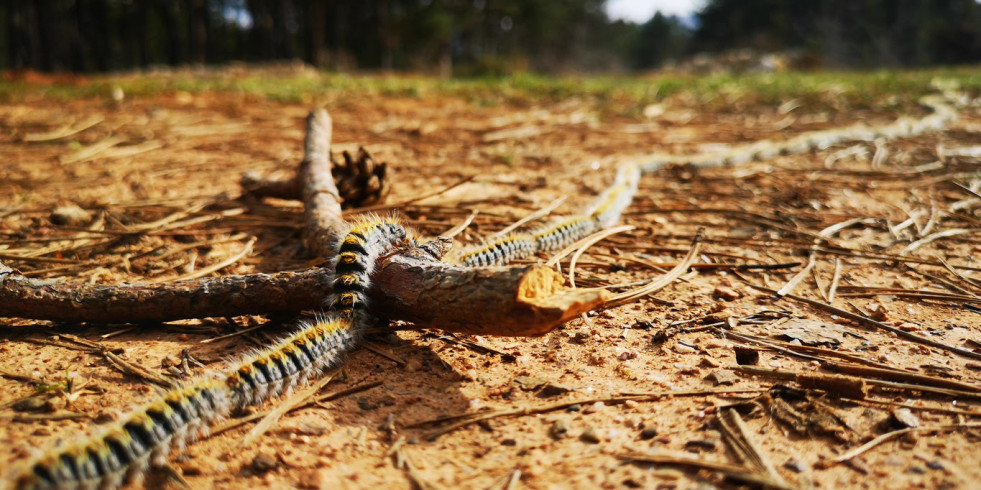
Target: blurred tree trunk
317	19
198	14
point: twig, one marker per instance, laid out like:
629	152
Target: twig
413	199
589	242
728	470
285	406
222	296
456	230
463	420
246	249
868	322
322	202
791	375
533	216
65	131
660	282
896	433
231	424
934	237
736	435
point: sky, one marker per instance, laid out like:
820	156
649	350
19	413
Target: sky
640	11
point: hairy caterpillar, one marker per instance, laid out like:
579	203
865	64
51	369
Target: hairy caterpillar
563	233
127	448
314	348
366	240
499	252
147	435
609	206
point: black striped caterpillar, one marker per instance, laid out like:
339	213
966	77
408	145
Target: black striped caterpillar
126	449
311	350
366	240
499	252
147	435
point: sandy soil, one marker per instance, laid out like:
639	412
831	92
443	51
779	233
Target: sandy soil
150	157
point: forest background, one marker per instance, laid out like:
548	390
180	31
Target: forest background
484	37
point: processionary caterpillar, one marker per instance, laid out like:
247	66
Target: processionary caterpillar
126	449
147	435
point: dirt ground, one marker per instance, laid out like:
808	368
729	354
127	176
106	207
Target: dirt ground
174	159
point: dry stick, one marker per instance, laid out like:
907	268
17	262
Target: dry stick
463	420
868	322
791	375
934	237
660	282
419	480
285	406
533	216
231	295
246	249
322	202
949	298
309	402
412	199
801	350
960	275
728	470
898	375
589	242
65	131
896	433
735	433
456	230
823	236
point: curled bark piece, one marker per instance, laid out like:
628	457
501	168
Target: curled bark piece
515	301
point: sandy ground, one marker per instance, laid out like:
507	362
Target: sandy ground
147	158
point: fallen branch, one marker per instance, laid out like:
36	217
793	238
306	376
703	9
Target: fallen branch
322	203
232	295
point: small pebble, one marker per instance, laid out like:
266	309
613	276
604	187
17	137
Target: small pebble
594	407
70	215
29	404
746	357
795	466
589	435
726	294
648	433
699	445
264	462
552	389
558	430
412	365
903	417
574	408
935	465
509	442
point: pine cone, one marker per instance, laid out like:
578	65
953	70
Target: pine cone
360	180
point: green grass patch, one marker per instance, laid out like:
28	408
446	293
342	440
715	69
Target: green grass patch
615	94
